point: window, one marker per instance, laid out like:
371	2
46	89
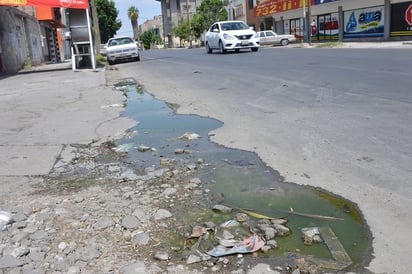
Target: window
238	11
250	4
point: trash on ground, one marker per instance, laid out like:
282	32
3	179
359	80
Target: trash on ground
5	219
249	245
316	216
311	235
198	231
340	257
254	214
189	136
230	223
124	147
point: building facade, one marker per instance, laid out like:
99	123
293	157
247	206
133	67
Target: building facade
317	20
20	39
29	36
343	20
173	13
155	24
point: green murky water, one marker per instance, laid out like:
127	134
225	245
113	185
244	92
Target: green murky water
242	178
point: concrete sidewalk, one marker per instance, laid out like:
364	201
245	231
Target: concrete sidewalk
46	109
365	45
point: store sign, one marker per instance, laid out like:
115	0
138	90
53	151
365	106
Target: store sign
267	7
408	15
74	4
401	19
367	22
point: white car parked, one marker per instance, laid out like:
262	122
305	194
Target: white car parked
269	37
231	35
122	48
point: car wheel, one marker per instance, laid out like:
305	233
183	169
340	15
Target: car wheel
137	59
111	62
221	48
208	49
255	49
284	42
237	50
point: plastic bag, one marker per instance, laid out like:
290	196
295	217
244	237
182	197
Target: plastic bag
5	218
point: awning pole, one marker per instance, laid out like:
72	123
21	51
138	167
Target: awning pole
91	40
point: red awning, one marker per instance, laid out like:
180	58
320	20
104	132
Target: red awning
72	4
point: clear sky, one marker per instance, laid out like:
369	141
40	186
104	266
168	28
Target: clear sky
147	10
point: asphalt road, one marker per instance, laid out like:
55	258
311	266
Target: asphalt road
334	118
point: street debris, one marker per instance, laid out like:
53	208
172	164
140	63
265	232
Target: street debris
316	216
311	235
189	136
124	147
340	258
249	245
5	219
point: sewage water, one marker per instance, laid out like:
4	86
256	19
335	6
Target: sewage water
241	177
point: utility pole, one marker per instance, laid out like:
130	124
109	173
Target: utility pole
309	24
304	21
96	29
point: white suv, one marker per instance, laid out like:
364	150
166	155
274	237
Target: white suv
122	48
231	35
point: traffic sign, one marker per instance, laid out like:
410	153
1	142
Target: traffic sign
408	15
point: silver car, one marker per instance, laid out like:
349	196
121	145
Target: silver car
122	48
269	37
231	35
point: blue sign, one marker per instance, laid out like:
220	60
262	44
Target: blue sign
364	22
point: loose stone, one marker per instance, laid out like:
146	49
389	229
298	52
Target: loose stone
162	256
130	222
193	259
162	214
222	208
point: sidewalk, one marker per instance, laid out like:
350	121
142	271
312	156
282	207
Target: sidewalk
336	44
50	108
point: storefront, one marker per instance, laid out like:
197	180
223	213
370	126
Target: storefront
337	19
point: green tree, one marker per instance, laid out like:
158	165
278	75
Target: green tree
149	37
182	31
196	24
133	14
108	22
209	12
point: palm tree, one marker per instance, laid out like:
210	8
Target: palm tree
133	14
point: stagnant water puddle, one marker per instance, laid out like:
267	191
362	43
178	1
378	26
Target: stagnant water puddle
245	181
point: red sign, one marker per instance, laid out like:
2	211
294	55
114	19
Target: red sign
266	7
73	4
408	15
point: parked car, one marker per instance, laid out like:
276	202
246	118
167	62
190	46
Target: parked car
269	37
122	48
231	35
103	49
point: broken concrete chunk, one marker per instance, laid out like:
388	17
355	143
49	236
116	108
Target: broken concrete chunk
222	208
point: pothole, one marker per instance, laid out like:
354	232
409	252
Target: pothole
240	180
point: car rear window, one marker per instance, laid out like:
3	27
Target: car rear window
120	41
